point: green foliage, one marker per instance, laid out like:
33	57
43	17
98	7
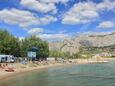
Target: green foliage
8	43
84	52
68	55
12	45
33	41
57	54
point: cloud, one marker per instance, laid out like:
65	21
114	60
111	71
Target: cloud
47	19
23	18
106	5
35	31
18	17
106	25
40	32
81	13
85	12
54	1
53	36
38	6
43	6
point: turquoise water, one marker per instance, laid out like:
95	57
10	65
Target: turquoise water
75	75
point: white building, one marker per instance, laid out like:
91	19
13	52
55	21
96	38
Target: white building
6	58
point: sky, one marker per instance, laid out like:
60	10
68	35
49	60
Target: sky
57	19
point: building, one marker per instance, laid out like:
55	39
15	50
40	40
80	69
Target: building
6	58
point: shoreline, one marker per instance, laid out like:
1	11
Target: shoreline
21	69
7	75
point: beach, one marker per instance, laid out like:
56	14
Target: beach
22	68
63	75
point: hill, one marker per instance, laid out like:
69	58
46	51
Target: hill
73	45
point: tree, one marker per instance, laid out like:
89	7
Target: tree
33	41
8	43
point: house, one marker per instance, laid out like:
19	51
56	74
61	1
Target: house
99	55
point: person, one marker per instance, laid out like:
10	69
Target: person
9	68
0	65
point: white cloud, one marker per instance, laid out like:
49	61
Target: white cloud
18	17
39	32
38	6
84	12
106	24
53	36
89	14
106	5
23	18
35	31
54	1
43	6
81	13
89	33
47	19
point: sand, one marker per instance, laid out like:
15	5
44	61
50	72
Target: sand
20	69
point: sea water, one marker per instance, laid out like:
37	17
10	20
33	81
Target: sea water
74	75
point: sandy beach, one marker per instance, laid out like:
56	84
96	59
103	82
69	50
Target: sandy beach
21	69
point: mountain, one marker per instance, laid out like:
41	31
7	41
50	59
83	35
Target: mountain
73	45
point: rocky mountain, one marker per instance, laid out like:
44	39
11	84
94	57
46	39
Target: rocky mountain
73	45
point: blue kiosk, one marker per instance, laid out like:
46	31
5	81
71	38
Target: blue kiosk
32	53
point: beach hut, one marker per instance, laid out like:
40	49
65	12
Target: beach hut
32	53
